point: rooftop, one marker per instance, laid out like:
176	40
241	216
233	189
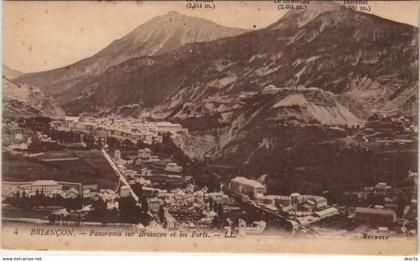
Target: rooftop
374	211
249	182
44	183
327	211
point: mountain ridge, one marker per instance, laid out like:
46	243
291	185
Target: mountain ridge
157	36
292	100
10	73
360	65
25	101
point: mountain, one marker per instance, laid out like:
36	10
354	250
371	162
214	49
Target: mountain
225	121
159	35
22	101
10	73
293	20
369	61
291	100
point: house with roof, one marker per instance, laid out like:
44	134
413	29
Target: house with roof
376	216
45	186
173	167
247	186
312	202
71	193
125	191
328	212
87	193
154	204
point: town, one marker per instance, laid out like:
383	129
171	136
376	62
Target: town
149	190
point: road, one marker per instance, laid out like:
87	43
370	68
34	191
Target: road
121	176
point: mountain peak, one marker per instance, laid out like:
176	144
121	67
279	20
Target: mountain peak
160	35
175	18
299	18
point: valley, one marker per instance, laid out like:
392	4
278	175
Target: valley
186	123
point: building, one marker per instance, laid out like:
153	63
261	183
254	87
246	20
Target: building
45	186
309	205
169	221
146	171
173	167
163	127
142	181
87	193
154	204
275	200
92	187
328	212
376	216
112	204
382	186
296	198
247	187
12	188
315	202
117	154
71	193
148	191
125	191
144	153
145	156
283	201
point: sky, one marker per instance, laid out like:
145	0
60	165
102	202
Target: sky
40	36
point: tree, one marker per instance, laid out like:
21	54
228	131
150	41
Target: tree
144	204
216	221
51	219
161	213
90	141
220	211
112	142
211	203
135	215
100	209
137	189
140	144
127	143
251	195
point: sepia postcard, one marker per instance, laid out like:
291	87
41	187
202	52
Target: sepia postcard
282	126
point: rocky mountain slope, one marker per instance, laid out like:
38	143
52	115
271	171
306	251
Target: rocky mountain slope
22	101
10	73
361	57
285	100
220	122
157	36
